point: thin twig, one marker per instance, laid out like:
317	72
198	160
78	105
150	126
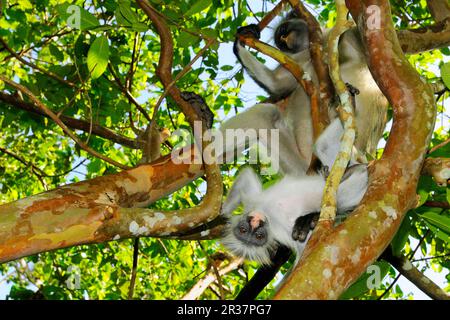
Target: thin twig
58	121
134	269
32	65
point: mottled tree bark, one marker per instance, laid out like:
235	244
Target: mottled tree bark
340	257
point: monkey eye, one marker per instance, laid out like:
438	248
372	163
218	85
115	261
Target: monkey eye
259	236
243	230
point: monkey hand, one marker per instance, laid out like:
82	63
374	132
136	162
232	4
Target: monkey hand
200	107
303	225
250	30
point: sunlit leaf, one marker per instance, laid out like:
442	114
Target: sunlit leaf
98	55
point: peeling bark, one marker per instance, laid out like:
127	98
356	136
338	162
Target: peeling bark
96	210
344	254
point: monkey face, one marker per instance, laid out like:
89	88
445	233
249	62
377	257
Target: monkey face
292	36
251	229
249	236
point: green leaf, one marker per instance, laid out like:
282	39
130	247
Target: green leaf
440	221
445	74
448	194
56	52
423	194
441	235
98	55
360	286
77	17
401	236
198	7
139	27
226	68
185	39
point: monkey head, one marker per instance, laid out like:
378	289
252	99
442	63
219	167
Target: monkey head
251	236
291	35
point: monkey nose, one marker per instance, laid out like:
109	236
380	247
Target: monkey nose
256	220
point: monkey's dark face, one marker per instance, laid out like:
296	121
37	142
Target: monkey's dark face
251	229
292	35
249	236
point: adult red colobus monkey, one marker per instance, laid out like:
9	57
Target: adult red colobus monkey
294	121
285	213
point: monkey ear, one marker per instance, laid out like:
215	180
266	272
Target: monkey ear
327	145
246	185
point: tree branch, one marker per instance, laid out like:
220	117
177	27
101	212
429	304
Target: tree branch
32	65
427	38
410	272
344	254
326	88
58	121
197	290
439	9
73	123
99	210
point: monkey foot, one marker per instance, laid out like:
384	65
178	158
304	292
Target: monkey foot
303	225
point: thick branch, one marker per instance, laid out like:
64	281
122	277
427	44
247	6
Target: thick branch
344	254
73	123
424	39
212	201
410	272
98	210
